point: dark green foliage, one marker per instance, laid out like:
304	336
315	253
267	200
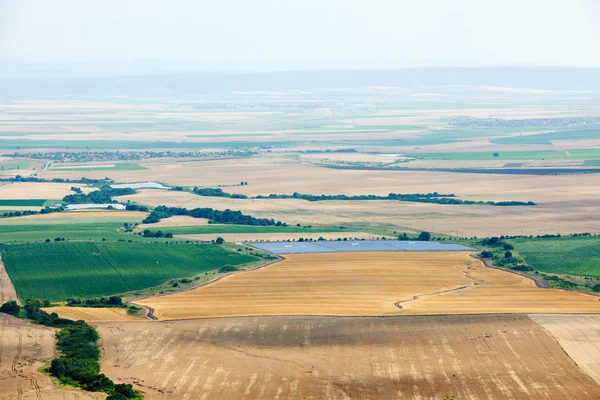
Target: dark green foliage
217	193
78	364
228	268
508	254
434	197
10	307
158	234
102	196
486	254
107	302
136	207
596	287
36	314
508	247
214	216
425	236
220	240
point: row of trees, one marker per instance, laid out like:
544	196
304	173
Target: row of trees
102	196
214	216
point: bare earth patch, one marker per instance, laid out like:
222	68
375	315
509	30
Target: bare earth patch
39	190
370	283
579	336
424	357
24	348
7	290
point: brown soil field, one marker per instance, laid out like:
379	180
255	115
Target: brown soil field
361	284
257	237
579	336
24	348
422	357
178	220
7	290
90	314
39	190
564	216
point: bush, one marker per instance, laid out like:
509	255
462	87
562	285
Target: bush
486	254
508	254
220	240
596	287
10	307
228	268
425	236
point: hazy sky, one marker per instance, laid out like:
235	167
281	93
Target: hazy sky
244	35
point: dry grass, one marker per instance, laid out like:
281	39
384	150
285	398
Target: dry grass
426	357
7	290
559	215
579	336
24	349
39	190
178	220
355	284
90	314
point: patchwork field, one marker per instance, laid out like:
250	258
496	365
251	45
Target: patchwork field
25	348
88	269
39	190
383	283
566	216
425	357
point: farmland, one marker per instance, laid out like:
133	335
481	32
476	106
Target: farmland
81	269
479	357
383	283
564	255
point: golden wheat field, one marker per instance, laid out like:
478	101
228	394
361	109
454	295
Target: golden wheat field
379	283
419	357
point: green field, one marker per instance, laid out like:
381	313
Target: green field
23	202
210	228
565	255
15	165
56	271
591	163
514	155
116	167
41	232
547	138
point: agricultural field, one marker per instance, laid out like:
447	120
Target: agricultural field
25	348
98	167
564	255
427	357
370	284
88	269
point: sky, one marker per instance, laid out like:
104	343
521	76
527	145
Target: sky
125	36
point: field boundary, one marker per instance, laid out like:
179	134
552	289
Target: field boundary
213	280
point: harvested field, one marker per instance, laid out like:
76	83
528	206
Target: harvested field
77	217
256	237
423	357
7	290
177	220
571	216
579	336
370	283
90	314
39	190
24	348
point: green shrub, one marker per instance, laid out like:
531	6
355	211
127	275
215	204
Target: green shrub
10	307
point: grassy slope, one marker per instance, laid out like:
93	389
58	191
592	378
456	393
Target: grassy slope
41	232
572	256
56	271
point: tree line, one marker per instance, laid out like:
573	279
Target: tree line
214	216
103	195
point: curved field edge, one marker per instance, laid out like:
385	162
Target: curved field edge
89	269
362	284
307	357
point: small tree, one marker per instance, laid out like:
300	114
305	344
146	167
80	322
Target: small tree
425	236
220	240
508	254
10	307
